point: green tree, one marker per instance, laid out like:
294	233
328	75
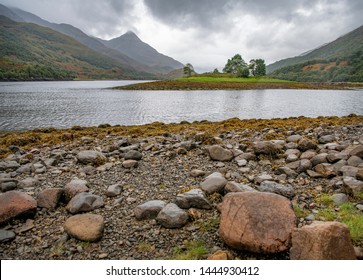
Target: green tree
188	70
258	67
215	71
236	65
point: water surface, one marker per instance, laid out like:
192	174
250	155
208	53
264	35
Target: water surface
29	105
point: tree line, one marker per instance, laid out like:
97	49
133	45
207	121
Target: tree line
236	66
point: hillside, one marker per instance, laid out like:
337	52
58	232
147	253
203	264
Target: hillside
338	61
32	52
132	46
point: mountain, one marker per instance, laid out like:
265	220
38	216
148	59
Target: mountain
135	53
32	52
132	46
5	11
337	61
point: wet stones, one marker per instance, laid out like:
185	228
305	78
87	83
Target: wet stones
149	209
322	241
257	222
171	216
194	198
14	204
85	227
220	154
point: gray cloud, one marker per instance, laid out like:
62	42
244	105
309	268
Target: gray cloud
207	32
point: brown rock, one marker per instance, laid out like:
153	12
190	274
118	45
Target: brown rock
266	148
220	255
325	169
130	163
257	222
50	198
14	204
359	174
218	153
357	151
322	241
85	227
305	144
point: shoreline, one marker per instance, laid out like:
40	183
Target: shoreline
136	164
199	85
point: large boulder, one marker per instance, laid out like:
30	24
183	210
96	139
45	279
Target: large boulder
14	204
257	222
171	216
194	198
322	241
266	148
85	227
352	186
91	157
305	144
218	153
214	183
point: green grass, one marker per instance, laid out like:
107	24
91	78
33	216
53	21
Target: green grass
300	212
191	250
229	79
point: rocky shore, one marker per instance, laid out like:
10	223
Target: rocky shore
256	189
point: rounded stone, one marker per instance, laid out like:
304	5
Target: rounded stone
85	227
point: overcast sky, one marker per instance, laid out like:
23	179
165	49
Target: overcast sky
206	33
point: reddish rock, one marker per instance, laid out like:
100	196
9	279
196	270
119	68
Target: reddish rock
220	255
257	222
14	204
322	241
50	198
85	227
218	153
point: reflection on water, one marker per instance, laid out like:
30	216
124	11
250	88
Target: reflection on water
28	105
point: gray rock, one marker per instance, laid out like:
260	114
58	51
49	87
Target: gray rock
25	169
197	173
8	184
75	187
220	154
286	171
9	165
291	158
304	165
149	209
91	157
292	152
327	139
273	187
241	162
213	183
293	165
320	158
293	138
359	174
126	149
50	198
266	148
291	145
84	202
305	144
339	198
194	198
263	177
352	186
171	216
29	182
334	157
114	190
308	154
132	154
354	161
357	151
348	171
6	236
236	187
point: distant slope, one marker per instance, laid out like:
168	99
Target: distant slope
32	52
132	46
5	11
86	40
340	60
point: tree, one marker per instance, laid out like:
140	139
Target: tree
188	70
215	71
258	67
236	65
